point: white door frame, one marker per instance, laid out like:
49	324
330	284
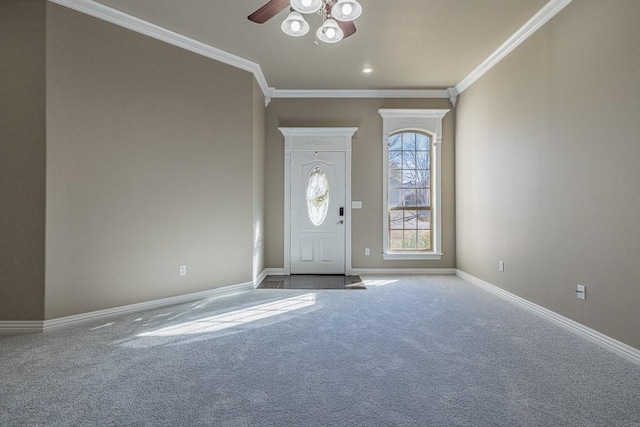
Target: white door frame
316	139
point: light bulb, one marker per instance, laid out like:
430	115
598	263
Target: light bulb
346	10
306	3
295	25
330	32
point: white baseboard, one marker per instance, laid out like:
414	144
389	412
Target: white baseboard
259	278
611	344
267	272
64	322
18	327
404	271
23	327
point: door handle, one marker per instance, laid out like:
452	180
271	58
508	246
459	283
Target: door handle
340	222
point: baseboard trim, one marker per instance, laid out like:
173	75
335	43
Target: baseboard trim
630	353
18	327
274	271
94	316
259	278
404	271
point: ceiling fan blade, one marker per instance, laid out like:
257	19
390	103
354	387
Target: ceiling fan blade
348	28
268	11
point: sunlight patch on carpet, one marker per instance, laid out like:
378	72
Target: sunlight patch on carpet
378	283
235	318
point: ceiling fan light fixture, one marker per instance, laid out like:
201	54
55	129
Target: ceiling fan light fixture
326	11
307	6
295	25
330	32
346	10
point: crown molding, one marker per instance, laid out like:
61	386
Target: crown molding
453	96
108	14
549	10
356	93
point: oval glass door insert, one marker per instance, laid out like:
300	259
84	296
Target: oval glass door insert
317	196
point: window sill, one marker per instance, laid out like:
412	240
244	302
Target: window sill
408	256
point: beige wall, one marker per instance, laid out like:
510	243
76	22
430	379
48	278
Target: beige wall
22	158
366	173
149	151
548	168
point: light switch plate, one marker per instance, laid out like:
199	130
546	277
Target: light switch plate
357	204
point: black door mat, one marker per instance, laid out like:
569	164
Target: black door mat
312	281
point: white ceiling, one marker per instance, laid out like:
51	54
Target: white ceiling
411	44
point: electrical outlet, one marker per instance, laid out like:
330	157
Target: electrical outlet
501	266
367	251
581	292
182	269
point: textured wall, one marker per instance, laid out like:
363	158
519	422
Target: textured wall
22	158
149	152
547	168
366	173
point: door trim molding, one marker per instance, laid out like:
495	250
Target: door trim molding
316	139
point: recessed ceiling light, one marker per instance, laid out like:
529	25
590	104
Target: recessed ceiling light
367	70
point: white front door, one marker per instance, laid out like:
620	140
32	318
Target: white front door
318	212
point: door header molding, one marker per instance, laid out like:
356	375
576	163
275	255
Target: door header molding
318	139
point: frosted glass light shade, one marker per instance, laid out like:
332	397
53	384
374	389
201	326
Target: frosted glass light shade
346	10
330	32
295	25
306	6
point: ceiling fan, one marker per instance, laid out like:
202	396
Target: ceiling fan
337	15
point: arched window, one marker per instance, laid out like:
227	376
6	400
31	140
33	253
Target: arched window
411	169
409	202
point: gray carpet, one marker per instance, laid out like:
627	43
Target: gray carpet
421	351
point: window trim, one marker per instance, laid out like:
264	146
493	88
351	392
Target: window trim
414	120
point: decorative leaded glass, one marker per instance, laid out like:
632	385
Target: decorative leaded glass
317	196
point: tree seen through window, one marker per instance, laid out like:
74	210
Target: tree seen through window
409	207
